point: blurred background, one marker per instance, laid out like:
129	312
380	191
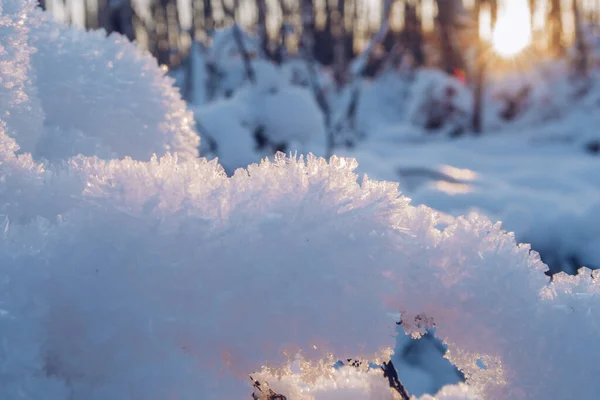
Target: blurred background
167	27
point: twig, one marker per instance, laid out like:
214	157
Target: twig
265	393
375	40
389	371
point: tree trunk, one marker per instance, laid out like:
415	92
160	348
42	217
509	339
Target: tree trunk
493	13
479	76
91	15
451	58
189	67
281	52
556	28
208	22
532	7
307	43
412	35
263	35
159	37
581	60
308	26
338	32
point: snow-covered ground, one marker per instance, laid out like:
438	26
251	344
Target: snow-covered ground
548	193
128	275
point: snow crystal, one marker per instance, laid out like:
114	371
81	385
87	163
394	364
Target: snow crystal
19	105
126	279
193	280
103	96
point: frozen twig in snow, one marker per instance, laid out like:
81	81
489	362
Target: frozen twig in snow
389	371
263	392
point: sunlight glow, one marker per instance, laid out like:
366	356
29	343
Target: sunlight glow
512	33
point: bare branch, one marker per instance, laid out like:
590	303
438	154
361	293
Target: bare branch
389	372
363	59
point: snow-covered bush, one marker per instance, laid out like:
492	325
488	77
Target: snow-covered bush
527	98
408	104
243	120
296	71
439	103
261	118
167	279
84	94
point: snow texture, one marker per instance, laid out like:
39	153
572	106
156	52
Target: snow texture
93	96
21	111
168	278
124	279
544	190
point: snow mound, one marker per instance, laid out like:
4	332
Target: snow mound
93	95
168	278
291	115
229	124
286	116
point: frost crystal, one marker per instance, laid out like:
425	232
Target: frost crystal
65	92
19	105
124	279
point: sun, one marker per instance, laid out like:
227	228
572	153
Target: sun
512	33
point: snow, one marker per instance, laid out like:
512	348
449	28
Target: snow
21	111
291	115
286	115
120	275
128	275
545	192
103	97
229	124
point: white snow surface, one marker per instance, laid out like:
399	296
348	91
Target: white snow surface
168	278
82	93
547	193
127	279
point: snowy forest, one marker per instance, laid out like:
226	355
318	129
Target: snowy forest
299	199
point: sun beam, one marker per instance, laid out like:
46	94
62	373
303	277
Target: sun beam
512	33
